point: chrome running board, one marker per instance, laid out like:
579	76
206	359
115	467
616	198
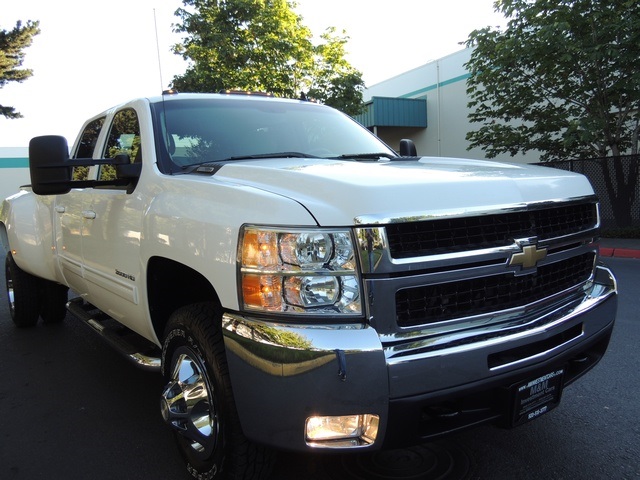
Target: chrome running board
136	349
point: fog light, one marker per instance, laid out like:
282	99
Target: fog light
342	431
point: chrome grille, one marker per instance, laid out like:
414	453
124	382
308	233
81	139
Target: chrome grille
430	237
428	304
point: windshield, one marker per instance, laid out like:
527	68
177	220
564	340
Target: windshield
203	130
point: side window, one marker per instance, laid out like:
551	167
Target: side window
86	146
124	138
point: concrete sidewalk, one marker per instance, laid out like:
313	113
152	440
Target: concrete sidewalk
620	247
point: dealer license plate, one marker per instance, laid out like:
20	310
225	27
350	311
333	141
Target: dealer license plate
536	397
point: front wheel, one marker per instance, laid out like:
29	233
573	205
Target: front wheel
197	401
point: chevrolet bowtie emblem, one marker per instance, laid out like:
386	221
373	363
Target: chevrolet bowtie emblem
529	257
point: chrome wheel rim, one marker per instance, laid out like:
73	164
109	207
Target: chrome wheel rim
187	404
10	292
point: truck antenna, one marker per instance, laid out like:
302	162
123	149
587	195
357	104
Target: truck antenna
155	23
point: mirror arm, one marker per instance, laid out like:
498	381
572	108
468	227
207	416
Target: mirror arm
122	159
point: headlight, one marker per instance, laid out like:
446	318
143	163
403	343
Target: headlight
298	271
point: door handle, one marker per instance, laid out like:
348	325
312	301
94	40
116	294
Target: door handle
89	214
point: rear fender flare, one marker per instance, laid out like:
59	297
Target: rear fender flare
27	231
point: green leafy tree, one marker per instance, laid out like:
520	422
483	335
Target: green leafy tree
262	45
12	46
335	81
562	79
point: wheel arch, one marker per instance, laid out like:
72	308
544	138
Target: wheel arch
4	238
171	285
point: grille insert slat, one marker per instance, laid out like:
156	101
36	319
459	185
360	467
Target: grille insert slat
415	239
445	301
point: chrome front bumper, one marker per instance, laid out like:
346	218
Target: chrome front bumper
283	374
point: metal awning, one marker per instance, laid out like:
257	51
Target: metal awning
394	112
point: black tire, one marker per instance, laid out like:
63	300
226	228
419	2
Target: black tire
54	301
199	405
23	294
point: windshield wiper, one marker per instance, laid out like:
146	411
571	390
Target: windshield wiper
251	157
271	155
364	156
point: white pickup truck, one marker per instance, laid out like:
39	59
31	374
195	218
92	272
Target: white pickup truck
302	286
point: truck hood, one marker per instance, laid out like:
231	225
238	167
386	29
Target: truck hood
347	192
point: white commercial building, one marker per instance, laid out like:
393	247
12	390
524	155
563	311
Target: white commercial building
14	170
429	106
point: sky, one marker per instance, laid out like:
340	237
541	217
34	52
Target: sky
93	55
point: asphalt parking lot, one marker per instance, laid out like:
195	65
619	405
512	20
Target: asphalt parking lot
73	408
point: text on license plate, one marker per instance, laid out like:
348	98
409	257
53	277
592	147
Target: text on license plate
537	396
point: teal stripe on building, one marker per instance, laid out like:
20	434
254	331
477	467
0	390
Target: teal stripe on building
433	87
14	162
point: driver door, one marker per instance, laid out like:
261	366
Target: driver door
112	236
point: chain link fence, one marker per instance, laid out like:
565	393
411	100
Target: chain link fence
616	181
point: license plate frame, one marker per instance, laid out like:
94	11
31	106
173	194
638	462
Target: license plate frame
536	396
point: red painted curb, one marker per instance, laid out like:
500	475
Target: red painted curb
620	252
626	253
